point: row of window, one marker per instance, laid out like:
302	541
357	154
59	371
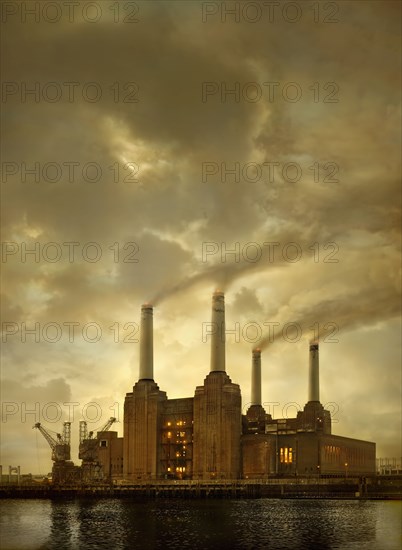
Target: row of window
177	469
286	455
178	423
333	453
178	434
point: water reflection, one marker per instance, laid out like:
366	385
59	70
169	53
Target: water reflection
207	524
307	524
101	524
62	526
19	523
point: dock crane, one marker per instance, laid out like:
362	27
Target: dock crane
91	468
63	470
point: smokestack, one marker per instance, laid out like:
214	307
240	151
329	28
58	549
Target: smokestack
314	374
256	377
218	332
146	343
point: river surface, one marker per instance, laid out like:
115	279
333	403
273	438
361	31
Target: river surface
200	524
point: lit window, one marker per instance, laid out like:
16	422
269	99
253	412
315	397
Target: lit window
169	423
169	434
286	455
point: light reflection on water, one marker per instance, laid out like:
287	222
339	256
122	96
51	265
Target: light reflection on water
200	524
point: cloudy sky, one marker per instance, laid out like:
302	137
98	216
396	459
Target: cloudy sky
156	151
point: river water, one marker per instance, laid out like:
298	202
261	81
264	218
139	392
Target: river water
200	524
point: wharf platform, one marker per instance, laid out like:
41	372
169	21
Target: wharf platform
389	488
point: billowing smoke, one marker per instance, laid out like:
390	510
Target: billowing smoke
325	320
221	275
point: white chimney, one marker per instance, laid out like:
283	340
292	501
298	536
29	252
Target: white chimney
314	374
256	377
146	343
218	332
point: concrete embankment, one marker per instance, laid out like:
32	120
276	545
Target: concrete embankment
347	489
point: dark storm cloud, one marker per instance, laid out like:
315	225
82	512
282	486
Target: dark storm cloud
170	212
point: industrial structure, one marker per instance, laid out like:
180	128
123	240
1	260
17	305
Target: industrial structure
64	470
91	469
206	437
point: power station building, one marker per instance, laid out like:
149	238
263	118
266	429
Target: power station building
206	437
